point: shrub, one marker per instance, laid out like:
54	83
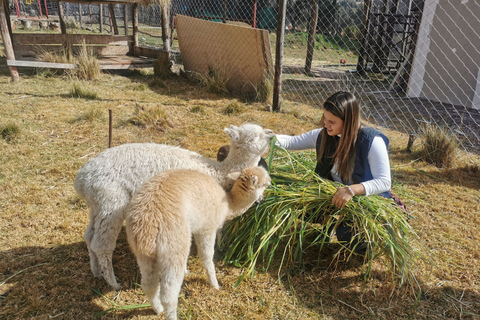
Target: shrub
78	91
87	65
90	115
263	92
150	118
198	109
10	132
439	146
233	108
215	81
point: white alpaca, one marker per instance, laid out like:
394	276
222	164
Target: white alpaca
167	211
108	181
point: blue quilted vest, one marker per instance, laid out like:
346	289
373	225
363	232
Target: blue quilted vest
361	170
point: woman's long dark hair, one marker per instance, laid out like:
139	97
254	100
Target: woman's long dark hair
345	106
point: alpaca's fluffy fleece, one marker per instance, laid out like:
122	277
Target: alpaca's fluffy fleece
171	207
108	181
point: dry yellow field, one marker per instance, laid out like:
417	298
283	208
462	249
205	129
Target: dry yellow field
44	263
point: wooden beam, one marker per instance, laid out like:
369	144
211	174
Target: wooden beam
7	14
61	17
7	41
40	64
100	7
113	19
80	15
125	18
164	18
33	39
311	37
367	6
135	26
103	1
277	81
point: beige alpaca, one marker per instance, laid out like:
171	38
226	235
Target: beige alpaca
164	214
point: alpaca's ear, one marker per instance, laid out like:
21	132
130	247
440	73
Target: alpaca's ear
269	133
234	175
232	132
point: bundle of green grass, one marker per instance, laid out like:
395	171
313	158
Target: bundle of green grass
297	214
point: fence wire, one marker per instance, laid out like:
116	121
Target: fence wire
409	62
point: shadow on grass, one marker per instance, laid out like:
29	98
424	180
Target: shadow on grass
338	290
56	282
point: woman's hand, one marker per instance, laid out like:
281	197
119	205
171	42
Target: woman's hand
343	195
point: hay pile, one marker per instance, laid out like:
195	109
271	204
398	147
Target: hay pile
297	215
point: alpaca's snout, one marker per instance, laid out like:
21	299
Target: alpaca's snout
260	199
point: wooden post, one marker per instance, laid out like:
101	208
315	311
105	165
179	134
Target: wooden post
46	8
90	14
277	81
109	19
113	19
411	140
165	38
224	11
7	40
125	17
40	9
7	14
363	47
311	37
254	16
17	8
61	17
110	126
80	15
135	27
101	17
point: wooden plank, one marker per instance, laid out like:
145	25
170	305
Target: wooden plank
104	1
7	41
40	64
46	38
107	63
111	51
147	52
243	52
35	51
277	81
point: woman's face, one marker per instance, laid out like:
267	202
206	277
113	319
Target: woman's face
333	124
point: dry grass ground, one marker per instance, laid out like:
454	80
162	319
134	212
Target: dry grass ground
44	264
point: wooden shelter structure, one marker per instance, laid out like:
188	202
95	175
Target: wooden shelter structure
113	51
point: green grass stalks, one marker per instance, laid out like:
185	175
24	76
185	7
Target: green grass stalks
79	91
439	147
150	117
117	307
297	214
10	132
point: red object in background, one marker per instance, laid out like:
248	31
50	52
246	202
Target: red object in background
343	61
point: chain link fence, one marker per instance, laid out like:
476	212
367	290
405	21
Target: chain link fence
409	62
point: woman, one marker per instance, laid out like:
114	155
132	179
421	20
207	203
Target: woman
347	152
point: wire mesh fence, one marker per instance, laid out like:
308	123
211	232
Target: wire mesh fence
409	62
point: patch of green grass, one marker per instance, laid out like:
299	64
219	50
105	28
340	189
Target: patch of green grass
87	65
90	115
158	83
216	80
10	132
197	109
150	117
234	108
79	91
